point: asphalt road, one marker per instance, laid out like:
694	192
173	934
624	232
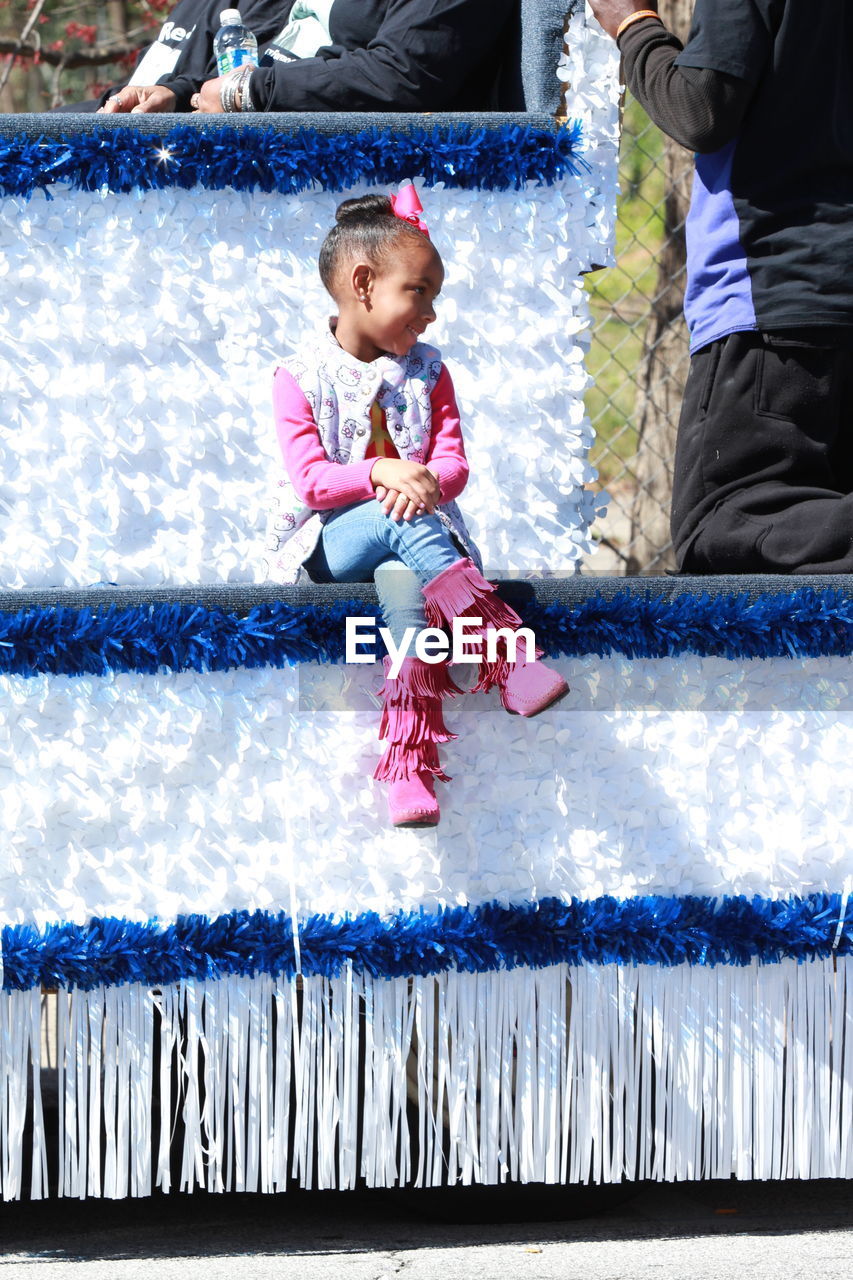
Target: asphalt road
700	1231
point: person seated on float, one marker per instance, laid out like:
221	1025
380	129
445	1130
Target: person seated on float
371	441
326	55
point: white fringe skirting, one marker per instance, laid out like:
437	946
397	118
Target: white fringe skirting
558	1075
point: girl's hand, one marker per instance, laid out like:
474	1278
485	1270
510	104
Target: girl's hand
409	488
396	505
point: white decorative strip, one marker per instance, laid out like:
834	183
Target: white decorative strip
153	796
137	439
557	1075
589	69
20	1059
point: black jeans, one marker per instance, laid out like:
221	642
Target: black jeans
764	461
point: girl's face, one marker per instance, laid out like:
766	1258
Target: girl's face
390	306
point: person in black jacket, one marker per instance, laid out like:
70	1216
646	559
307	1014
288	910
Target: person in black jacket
763	91
382	55
173	68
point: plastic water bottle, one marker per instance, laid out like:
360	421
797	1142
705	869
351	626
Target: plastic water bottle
234	45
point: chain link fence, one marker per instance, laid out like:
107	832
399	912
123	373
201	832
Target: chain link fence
638	358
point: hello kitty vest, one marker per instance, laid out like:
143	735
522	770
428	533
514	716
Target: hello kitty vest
341	391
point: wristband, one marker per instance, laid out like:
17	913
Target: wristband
236	85
637	17
246	103
228	91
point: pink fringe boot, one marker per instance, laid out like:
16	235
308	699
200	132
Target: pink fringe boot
412	722
461	591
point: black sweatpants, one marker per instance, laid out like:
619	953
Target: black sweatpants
764	461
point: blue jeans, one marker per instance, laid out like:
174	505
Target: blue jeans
360	542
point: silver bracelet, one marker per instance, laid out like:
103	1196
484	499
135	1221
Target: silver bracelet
246	103
228	91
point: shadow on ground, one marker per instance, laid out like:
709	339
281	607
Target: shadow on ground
315	1224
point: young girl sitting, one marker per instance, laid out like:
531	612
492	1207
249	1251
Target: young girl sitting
369	429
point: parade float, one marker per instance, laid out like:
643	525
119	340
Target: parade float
623	953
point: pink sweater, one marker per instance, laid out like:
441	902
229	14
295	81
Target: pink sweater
324	485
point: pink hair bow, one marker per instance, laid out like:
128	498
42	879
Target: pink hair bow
407	206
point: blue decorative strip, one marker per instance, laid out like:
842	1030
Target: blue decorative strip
458	155
191	637
173	637
804	623
654	930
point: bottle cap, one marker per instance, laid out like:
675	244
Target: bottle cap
230	18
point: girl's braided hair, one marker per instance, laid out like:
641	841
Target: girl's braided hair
365	227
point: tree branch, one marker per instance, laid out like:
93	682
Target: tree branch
28	26
99	56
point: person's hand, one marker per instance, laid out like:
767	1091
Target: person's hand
407	488
612	13
139	99
397	505
208	100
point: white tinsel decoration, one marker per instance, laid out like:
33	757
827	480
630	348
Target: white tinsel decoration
145	796
560	1075
136	436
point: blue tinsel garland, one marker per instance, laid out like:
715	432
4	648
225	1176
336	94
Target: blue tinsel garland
192	637
458	155
653	930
